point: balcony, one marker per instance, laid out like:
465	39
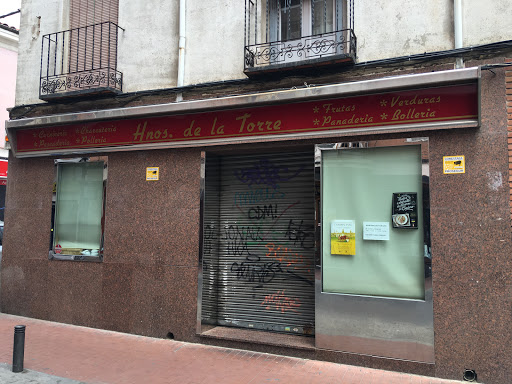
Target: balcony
298	35
80	62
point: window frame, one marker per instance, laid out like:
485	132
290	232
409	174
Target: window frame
52	255
306	20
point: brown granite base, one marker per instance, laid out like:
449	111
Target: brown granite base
303	347
259	337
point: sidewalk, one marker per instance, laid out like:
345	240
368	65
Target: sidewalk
30	377
101	357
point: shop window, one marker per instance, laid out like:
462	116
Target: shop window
360	187
78	209
374	287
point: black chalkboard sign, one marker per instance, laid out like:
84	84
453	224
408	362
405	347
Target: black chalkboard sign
404	213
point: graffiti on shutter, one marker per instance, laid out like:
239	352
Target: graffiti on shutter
259	242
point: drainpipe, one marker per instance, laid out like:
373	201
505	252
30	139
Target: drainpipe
457	22
181	54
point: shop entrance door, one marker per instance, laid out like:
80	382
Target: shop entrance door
259	242
374	285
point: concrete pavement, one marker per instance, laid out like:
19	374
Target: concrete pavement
66	354
30	377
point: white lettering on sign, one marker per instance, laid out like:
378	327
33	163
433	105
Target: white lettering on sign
404	203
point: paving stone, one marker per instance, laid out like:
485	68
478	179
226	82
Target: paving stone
58	353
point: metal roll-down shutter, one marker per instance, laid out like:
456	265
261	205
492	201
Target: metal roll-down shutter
259	242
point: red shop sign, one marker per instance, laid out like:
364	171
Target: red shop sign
430	105
3	168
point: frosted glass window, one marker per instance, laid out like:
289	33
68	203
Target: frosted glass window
79	208
358	185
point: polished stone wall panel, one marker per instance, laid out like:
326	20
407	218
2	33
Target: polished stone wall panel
165	301
28	209
75	292
153	222
117	297
24	287
471	245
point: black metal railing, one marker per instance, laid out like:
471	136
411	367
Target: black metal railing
80	60
295	31
323	45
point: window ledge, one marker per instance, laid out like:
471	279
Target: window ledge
55	256
301	66
260	337
83	93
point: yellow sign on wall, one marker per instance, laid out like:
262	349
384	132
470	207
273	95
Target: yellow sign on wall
454	164
152	173
343	237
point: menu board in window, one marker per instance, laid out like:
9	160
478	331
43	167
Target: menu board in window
405	210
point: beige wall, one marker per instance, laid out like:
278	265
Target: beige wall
37	19
215	41
8	55
387	29
148	48
486	22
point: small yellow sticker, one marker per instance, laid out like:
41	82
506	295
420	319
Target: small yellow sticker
152	173
454	164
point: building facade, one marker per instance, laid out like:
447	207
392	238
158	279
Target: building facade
319	178
8	54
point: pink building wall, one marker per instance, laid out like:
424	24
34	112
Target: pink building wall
8	60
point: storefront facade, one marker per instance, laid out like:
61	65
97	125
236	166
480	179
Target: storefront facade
365	223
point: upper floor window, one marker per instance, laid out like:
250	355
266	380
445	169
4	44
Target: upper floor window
295	31
90	12
293	19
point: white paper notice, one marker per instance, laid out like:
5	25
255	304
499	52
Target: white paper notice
373	230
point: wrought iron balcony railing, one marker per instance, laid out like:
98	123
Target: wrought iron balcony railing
80	61
324	45
288	34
